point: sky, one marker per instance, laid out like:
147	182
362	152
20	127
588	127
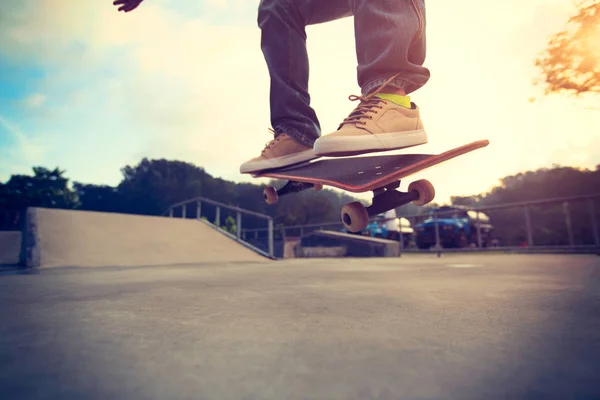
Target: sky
90	90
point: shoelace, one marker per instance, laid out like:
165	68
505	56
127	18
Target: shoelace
270	143
363	111
366	107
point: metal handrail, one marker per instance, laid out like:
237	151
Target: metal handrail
217	204
238	210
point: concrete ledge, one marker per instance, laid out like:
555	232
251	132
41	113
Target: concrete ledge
10	247
321	252
356	245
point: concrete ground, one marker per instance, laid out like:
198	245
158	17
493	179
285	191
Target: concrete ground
415	327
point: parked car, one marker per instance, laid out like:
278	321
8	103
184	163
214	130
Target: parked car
457	226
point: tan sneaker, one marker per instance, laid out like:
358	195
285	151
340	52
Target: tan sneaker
376	124
279	152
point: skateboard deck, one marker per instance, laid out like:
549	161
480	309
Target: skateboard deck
362	174
380	174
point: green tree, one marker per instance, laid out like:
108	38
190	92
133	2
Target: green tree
571	61
230	225
151	186
45	188
98	197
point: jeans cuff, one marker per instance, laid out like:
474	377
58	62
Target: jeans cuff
302	138
374	84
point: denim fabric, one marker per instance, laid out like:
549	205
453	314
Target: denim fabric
390	39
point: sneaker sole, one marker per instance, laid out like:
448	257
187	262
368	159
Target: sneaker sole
279	162
353	145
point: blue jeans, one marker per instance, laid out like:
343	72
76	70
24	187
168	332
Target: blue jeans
390	39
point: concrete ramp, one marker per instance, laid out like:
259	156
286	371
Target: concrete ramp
92	239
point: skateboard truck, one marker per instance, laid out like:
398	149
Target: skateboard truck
272	195
355	216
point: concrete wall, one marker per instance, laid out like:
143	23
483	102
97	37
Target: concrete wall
355	245
10	247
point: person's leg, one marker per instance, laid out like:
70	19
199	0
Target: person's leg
283	43
390	40
390	47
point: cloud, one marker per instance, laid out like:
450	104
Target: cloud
19	157
149	85
25	147
34	100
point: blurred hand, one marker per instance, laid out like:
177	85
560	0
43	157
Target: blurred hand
127	5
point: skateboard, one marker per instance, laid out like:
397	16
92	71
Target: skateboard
380	174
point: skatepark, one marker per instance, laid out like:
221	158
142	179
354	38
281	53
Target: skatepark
125	306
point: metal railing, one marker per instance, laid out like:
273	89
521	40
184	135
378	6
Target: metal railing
220	216
517	226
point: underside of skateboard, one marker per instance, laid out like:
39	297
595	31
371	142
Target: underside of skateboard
355	216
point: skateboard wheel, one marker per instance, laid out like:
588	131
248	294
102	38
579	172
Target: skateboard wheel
317	187
425	189
270	195
355	217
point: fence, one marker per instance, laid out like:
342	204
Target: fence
228	219
557	224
